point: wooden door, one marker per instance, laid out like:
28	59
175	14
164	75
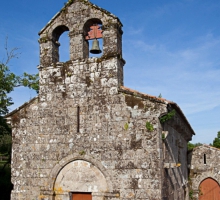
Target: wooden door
209	190
81	196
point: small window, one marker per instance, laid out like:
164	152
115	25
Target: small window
78	119
204	158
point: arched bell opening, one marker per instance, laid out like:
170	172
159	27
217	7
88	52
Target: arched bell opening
60	44
93	37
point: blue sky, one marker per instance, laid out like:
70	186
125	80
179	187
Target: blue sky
170	47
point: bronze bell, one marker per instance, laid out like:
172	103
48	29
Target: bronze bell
95	47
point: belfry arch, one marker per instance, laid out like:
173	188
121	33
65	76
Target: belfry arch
90	34
57	32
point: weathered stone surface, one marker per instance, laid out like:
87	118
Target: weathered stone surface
80	176
86	132
204	163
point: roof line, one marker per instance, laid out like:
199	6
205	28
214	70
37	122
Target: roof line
157	99
131	91
124	89
206	145
20	107
71	2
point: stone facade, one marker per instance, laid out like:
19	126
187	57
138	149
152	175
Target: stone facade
86	132
204	163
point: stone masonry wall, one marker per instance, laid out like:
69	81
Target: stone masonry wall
202	168
85	122
112	132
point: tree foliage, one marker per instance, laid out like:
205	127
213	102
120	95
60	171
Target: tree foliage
168	116
191	146
216	141
9	81
5	140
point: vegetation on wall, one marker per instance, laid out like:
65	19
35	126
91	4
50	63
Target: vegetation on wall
191	194
126	126
82	152
149	126
168	116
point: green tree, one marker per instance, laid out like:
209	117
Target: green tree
5	137
191	146
9	81
216	141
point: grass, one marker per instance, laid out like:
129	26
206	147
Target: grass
5	181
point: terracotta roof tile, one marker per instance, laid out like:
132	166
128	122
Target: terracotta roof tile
162	100
20	107
124	89
207	146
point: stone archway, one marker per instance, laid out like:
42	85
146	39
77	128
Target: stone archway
79	176
209	189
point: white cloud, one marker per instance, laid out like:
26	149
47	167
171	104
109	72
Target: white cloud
133	31
188	76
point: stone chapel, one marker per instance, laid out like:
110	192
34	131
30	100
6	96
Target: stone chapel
88	137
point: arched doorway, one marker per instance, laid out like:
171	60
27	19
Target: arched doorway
79	180
209	189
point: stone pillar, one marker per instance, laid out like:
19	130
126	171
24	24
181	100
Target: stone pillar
79	47
112	39
49	51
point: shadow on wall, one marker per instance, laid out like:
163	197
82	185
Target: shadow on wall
5	182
